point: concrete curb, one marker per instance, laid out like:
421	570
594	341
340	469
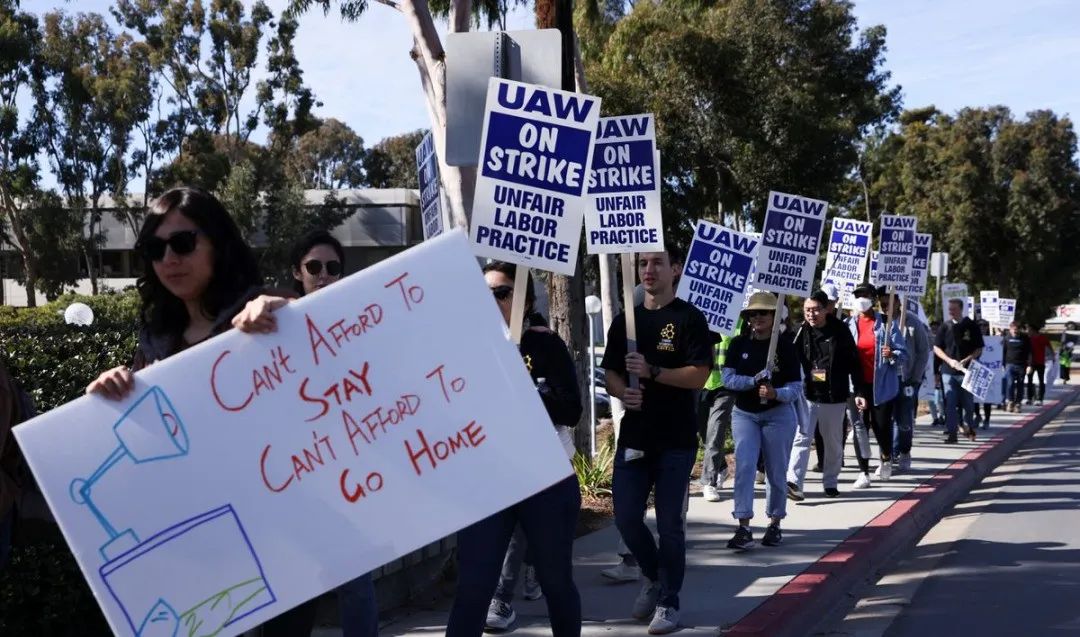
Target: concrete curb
811	596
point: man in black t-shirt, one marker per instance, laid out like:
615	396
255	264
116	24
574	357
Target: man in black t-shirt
658	442
958	342
1017	356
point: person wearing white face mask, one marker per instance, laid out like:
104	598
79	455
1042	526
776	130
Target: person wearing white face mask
881	354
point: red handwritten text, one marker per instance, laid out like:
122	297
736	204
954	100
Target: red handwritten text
342	332
263	379
375	423
470	436
373	483
457	385
411	294
303	462
340	392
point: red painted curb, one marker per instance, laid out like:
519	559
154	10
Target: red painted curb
809	597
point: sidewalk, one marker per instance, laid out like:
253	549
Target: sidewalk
738	591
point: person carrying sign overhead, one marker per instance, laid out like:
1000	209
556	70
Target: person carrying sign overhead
658	442
958	342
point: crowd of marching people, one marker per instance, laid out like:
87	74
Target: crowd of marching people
834	376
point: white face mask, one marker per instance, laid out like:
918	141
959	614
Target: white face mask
863	305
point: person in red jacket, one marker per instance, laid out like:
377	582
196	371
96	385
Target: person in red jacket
1039	346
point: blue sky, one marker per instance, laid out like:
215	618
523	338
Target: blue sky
950	53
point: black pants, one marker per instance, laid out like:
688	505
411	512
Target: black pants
1036	370
878	419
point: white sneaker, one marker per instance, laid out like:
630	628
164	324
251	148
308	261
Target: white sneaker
760	478
710	494
645	603
666	620
862	482
904	463
622	572
722	478
884	471
499	616
532	587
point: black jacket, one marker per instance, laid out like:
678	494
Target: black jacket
842	371
553	370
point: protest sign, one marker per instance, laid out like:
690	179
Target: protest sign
248	474
896	249
983	376
787	258
920	267
1006	312
988	306
715	274
624	213
849	252
427	168
950	291
536	150
873	278
970	304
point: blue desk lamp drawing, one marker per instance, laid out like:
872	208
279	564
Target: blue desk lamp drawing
150	431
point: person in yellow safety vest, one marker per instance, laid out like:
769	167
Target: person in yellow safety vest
714	421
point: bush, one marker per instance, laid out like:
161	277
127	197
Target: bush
42	591
594	474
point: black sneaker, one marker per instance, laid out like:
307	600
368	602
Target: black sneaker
743	539
950	439
794	493
773	536
832	492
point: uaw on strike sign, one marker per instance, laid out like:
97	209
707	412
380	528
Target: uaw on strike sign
787	259
536	150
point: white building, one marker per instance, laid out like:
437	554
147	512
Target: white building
385	222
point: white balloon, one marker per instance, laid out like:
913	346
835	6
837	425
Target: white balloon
78	314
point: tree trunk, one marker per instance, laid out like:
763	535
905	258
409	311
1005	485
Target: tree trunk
31	277
29	266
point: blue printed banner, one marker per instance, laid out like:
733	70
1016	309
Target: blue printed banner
920	267
715	276
896	250
427	168
536	149
624	213
787	260
849	252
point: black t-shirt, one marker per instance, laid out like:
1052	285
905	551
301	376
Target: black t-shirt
1017	349
546	357
673	336
959	340
746	356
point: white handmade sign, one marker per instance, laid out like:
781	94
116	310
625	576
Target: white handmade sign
251	473
849	252
536	150
787	259
715	274
896	249
427	169
624	213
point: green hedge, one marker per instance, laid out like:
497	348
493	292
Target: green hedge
42	591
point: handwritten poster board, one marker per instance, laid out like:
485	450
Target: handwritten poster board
624	213
536	150
251	473
787	259
716	272
427	168
849	252
896	249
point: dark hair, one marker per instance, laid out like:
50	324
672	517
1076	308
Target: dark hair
820	297
957	301
675	254
510	270
865	290
304	245
234	269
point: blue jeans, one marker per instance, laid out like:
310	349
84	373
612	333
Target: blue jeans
904	417
359	610
549	520
771	433
516	555
959	403
1014	383
669	472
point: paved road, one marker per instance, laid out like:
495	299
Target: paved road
1005	561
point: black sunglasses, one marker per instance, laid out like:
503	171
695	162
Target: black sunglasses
182	242
502	292
314	267
757	313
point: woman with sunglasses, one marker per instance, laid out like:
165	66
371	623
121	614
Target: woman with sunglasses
763	419
548	519
317	260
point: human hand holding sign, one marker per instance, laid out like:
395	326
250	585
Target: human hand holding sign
636	365
632	399
860	403
767	391
886	351
257	317
113	384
